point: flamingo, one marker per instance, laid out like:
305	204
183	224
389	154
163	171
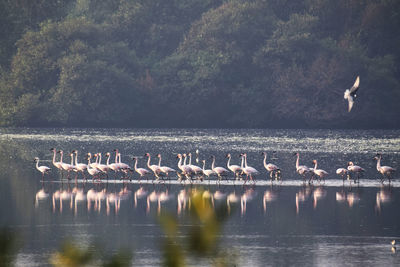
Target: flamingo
43	169
384	170
184	164
271	168
91	170
125	168
207	172
342	172
355	169
301	169
234	168
195	169
186	170
141	171
122	165
350	94
102	167
220	171
67	167
319	172
113	166
79	167
248	170
92	165
165	169
58	163
154	168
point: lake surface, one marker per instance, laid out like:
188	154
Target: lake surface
282	223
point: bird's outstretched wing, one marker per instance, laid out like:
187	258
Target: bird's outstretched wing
355	86
351	102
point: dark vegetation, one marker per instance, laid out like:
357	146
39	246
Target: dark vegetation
199	63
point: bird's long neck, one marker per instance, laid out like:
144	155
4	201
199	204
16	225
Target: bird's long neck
315	165
213	164
108	160
61	158
89	162
116	156
99	158
242	163
245	161
159	161
180	163
190	159
378	163
228	164
76	158
54	156
148	161
265	160
72	159
297	161
37	164
135	164
184	161
119	158
204	165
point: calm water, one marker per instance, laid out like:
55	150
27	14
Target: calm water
281	224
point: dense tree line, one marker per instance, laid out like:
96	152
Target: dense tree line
199	63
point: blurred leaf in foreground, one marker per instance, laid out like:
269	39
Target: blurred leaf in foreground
7	247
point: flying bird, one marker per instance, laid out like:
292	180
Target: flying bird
350	94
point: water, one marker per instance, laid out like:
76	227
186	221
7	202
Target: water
281	224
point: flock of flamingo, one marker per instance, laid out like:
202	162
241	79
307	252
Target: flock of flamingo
190	171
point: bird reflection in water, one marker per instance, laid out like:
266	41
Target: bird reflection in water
247	196
301	196
158	198
60	196
41	195
95	197
139	194
232	198
79	197
384	196
270	195
113	199
351	197
183	198
318	194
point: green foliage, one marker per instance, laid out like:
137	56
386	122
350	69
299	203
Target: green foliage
202	237
7	247
199	63
70	255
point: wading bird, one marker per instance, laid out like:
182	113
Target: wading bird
355	169
386	171
43	169
271	168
